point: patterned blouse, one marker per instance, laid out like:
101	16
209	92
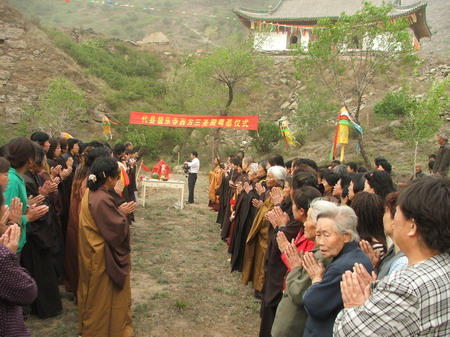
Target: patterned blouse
414	301
17	288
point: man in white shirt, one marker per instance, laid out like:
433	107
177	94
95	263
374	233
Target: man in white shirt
194	167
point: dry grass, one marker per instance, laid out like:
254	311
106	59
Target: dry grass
181	280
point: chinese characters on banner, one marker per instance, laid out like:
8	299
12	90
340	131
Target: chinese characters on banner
188	121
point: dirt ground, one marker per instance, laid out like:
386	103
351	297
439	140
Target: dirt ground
181	280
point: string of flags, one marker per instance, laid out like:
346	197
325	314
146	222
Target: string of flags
281	28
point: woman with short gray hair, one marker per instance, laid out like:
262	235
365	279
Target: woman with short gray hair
291	316
278	172
256	243
336	237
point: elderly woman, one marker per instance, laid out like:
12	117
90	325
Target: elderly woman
413	301
287	220
256	244
336	237
290	318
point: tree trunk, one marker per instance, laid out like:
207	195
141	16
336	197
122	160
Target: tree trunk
415	159
224	112
362	150
216	143
230	96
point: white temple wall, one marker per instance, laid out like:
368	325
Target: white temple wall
270	41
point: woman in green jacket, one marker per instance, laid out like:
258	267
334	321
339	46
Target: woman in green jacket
21	154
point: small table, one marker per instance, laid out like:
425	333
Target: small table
161	183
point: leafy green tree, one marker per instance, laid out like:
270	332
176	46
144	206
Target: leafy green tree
212	84
359	48
63	104
423	117
266	137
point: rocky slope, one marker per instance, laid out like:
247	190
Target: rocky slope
28	61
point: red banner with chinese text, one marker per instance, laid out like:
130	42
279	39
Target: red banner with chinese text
188	121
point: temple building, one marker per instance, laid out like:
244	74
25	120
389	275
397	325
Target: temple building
290	22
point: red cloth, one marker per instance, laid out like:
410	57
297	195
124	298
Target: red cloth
145	168
162	169
303	245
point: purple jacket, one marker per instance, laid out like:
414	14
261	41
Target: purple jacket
17	288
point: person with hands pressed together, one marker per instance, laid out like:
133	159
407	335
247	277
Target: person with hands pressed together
236	179
17	287
281	219
21	156
336	237
291	316
104	290
237	202
245	213
43	237
413	301
257	240
78	190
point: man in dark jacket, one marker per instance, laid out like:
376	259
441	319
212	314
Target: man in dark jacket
443	156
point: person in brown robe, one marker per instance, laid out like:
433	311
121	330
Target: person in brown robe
257	240
104	291
215	180
78	188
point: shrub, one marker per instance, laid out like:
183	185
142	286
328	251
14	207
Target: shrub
61	106
266	137
124	69
393	105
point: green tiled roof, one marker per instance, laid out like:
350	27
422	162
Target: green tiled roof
313	10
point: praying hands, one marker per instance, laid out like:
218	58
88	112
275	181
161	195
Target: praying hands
277	217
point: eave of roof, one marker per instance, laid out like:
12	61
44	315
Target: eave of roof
266	15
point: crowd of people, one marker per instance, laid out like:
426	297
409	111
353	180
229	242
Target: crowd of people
66	208
339	250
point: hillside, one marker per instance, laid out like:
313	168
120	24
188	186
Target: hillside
29	60
189	24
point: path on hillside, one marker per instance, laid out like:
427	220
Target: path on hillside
203	38
181	280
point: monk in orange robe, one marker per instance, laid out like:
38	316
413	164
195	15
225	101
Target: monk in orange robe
215	179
